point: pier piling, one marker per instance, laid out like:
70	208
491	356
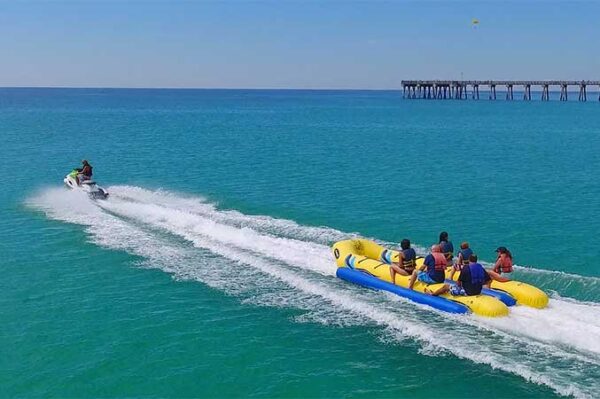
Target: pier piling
545	92
582	92
509	91
492	91
527	92
563	92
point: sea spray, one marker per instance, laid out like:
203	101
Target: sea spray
231	250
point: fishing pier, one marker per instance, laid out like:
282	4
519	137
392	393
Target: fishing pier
463	89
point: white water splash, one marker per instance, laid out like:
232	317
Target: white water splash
287	264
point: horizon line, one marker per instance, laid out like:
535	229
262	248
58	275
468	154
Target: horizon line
196	88
228	88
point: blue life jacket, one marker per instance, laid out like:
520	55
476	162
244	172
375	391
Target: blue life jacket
477	274
447	249
409	257
466	253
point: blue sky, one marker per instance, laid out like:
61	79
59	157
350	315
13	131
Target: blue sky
293	44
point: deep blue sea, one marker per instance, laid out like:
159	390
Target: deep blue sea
208	271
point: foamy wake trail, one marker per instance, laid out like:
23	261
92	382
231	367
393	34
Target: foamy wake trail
200	206
276	262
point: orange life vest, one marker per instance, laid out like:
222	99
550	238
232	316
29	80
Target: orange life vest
505	266
440	261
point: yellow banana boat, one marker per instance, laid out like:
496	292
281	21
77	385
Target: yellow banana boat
372	260
365	256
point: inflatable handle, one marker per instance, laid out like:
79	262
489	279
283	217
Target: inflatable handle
365	280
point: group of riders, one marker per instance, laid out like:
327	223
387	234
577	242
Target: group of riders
473	276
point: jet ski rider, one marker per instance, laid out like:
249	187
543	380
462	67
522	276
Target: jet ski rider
85	173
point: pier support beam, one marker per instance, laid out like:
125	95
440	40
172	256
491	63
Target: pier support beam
563	92
527	94
475	92
582	92
545	93
509	92
459	92
492	91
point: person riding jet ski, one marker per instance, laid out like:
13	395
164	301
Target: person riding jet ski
81	179
85	173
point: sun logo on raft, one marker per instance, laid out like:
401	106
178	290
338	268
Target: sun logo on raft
386	256
350	259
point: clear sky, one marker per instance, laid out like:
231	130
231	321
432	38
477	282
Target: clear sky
293	44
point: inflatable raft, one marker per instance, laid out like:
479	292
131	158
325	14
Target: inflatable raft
366	263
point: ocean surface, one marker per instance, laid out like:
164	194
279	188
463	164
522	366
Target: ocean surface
208	271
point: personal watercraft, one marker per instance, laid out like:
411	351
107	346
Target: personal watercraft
88	186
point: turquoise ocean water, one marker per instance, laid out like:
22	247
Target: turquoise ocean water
208	271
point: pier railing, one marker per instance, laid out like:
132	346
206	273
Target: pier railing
459	89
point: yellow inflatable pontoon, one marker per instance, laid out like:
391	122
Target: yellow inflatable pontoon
367	263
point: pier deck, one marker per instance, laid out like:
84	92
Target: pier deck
459	89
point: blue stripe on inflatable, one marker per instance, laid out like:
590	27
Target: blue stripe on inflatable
386	256
360	278
350	261
347	261
502	296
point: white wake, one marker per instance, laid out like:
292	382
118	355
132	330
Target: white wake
283	263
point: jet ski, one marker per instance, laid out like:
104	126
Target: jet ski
88	186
